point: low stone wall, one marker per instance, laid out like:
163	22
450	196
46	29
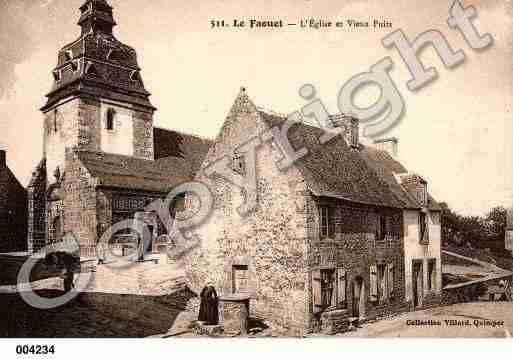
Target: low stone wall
156	312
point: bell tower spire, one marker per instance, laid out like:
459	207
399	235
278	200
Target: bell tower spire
96	16
98	101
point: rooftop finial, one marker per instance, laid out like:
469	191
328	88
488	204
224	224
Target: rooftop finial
96	16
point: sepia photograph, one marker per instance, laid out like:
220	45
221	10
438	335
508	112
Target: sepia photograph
220	169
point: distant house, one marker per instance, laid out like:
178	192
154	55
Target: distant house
509	231
333	237
421	225
13	210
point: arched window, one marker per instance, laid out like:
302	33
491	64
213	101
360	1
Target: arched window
111	114
55	113
57	229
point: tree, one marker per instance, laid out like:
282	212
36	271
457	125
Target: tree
496	223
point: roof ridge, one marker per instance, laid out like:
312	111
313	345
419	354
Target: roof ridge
186	134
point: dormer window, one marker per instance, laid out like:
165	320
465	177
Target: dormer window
55	113
91	69
57	75
134	76
69	55
239	164
74	66
111	114
114	55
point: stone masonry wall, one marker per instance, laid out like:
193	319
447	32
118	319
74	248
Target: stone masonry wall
271	241
36	198
354	248
143	135
80	200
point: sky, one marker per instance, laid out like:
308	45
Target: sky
457	131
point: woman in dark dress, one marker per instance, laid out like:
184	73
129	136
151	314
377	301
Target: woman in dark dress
208	309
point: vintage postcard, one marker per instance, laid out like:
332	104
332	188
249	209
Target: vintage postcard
266	169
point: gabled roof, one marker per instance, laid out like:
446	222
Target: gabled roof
178	157
334	169
170	143
364	175
389	168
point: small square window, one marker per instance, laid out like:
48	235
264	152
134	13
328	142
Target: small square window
326	222
423	229
239	164
327	288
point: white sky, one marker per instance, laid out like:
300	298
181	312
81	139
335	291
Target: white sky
457	131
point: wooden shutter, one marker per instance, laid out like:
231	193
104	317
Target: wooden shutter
373	283
391	280
316	291
341	285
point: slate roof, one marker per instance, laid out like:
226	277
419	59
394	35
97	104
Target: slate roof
364	175
387	168
97	64
179	157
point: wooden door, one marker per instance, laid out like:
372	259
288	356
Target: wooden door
358	302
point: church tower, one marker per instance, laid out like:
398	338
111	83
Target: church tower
98	101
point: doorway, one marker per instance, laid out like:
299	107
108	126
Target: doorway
57	228
417	283
358	298
149	240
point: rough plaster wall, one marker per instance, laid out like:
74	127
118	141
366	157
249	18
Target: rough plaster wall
271	241
413	249
120	140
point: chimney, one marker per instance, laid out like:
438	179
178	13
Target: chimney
389	145
351	127
3	163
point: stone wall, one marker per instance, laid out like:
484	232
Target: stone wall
143	135
354	248
36	193
270	241
89	138
80	200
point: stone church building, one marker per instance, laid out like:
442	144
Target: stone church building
345	232
103	159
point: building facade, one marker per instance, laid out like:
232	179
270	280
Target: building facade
13	210
326	242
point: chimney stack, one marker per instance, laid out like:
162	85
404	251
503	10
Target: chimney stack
3	163
351	126
389	145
